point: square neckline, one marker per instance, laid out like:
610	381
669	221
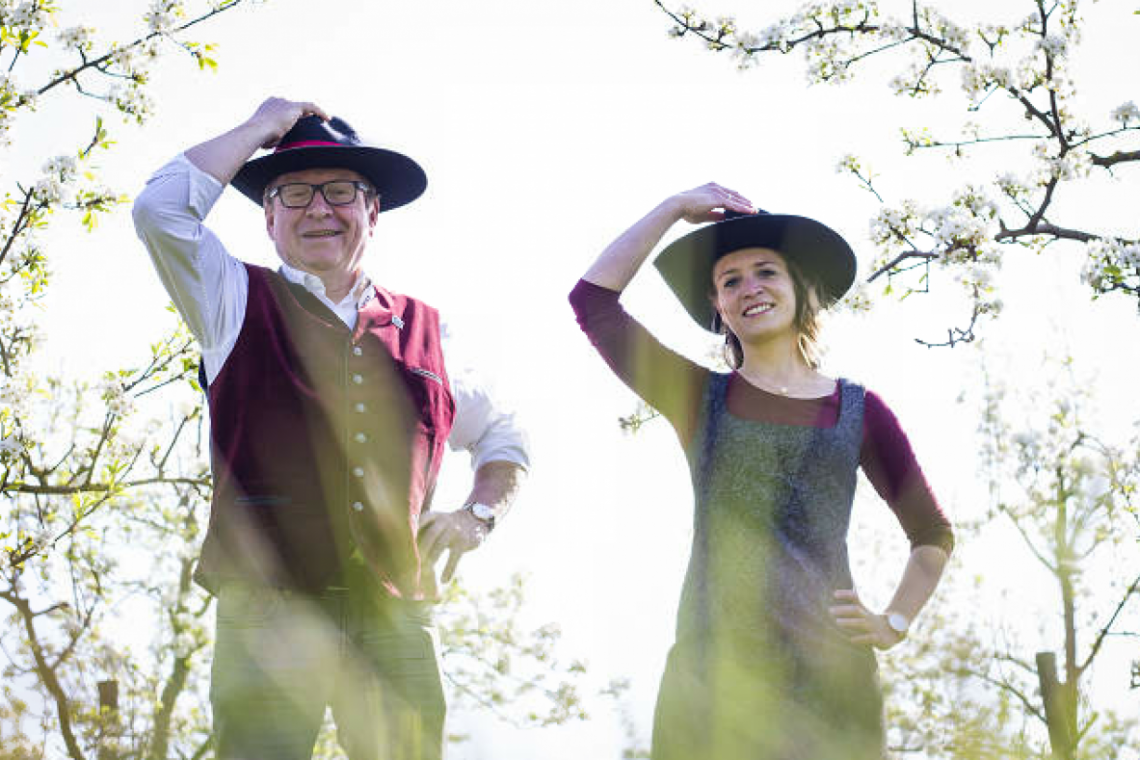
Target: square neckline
837	394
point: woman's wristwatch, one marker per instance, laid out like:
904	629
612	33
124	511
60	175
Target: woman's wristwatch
898	623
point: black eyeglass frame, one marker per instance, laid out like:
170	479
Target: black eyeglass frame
359	186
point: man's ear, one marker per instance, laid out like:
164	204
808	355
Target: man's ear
269	218
374	211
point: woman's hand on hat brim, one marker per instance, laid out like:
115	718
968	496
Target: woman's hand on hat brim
707	203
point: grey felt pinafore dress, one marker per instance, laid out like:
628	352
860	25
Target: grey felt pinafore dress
759	670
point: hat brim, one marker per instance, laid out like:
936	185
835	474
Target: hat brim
397	178
821	252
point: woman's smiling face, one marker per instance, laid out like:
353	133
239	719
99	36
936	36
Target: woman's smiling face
754	294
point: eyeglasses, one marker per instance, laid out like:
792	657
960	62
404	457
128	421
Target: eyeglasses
338	192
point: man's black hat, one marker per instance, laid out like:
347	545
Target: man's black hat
687	263
314	143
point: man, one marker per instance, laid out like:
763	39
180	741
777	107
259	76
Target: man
330	404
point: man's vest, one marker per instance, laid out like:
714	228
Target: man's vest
325	442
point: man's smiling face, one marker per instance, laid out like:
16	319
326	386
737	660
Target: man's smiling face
321	238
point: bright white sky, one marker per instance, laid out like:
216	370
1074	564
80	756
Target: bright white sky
545	130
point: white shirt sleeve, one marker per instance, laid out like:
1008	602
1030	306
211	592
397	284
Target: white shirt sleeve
483	427
209	287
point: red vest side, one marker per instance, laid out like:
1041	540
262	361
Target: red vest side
325	443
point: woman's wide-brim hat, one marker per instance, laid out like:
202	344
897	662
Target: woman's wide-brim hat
819	251
314	143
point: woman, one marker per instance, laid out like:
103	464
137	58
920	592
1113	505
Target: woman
774	650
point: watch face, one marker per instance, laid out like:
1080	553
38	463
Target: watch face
482	511
897	622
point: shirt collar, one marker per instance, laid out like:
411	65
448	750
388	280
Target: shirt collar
359	295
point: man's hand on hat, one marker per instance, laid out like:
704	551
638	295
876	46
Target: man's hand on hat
276	116
454	532
705	203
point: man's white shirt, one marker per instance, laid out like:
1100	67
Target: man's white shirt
210	289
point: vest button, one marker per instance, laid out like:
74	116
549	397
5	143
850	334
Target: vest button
358	472
361	438
360	408
356	505
357	351
358	379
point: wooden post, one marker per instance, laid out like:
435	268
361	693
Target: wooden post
1056	712
109	712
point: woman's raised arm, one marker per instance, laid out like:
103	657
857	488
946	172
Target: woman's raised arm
621	259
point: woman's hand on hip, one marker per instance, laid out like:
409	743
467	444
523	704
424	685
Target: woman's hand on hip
861	625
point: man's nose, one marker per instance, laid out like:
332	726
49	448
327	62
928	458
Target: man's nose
318	206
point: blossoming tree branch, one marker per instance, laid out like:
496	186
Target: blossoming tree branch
1026	64
81	464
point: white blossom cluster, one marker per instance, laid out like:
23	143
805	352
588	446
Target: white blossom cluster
29	14
893	226
768	37
828	60
1015	61
7	94
961	234
1048	439
978	280
117	400
829	54
958	231
188	641
59	173
163	15
950	34
9	445
132	60
1110	263
16	389
851	163
858	300
1055	45
13	99
77	38
131	100
906	82
1126	113
979	77
1074	164
1012	186
65	167
746	43
36	538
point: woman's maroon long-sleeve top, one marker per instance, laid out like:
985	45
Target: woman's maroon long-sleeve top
674	385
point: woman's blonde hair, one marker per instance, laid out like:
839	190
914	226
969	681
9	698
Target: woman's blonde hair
810	304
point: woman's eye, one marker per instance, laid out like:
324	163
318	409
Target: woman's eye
731	282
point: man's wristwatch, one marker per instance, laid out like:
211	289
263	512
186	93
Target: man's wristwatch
898	623
483	514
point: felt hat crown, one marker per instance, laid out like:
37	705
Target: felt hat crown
314	143
820	252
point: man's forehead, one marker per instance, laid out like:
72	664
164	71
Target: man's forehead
317	175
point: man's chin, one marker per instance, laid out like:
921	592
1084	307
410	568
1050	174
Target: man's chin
317	264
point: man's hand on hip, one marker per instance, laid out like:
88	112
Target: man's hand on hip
454	532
